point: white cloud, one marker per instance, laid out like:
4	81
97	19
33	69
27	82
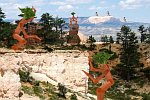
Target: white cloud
102	2
57	3
78	1
69	2
65	8
133	4
94	8
10	7
97	8
68	5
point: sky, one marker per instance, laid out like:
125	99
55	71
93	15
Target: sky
133	10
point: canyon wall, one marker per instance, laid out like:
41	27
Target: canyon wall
59	66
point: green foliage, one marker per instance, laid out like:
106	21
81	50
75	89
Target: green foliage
147	40
5	31
44	90
73	97
2	15
38	90
49	35
113	54
27	90
129	60
111	40
101	57
58	23
147	72
36	83
47	22
27	13
104	39
6	34
25	76
144	36
91	40
62	90
141	29
146	96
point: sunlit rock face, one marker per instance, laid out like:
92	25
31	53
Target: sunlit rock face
103	19
60	66
9	79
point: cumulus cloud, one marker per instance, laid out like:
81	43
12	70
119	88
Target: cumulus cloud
57	3
65	7
97	8
78	1
68	5
10	7
69	2
133	4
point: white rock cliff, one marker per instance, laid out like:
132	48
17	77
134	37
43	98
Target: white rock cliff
57	67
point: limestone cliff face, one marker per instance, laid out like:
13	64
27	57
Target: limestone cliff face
61	67
9	78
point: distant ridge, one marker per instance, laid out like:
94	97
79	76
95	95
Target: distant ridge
99	26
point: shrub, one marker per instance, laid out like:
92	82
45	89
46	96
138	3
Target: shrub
27	90
92	47
101	57
147	72
114	55
146	96
25	76
38	91
62	90
73	97
36	83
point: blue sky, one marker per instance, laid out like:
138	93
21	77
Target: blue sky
133	10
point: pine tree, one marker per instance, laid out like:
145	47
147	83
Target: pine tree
2	15
147	40
104	39
142	30
47	23
91	40
129	60
111	40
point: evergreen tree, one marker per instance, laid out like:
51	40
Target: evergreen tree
6	34
148	35
142	30
118	38
2	15
129	60
91	40
47	23
111	40
59	23
104	39
62	90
